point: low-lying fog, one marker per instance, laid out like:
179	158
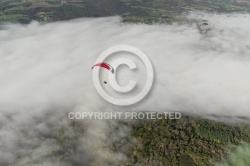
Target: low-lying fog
45	72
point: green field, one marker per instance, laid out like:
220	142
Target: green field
144	11
189	141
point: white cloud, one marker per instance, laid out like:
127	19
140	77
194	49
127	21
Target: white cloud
45	71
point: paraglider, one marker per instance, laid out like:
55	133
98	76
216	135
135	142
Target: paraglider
106	66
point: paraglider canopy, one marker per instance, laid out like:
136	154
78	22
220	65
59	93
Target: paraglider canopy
106	66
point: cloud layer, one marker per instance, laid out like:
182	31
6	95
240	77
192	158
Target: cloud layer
45	72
